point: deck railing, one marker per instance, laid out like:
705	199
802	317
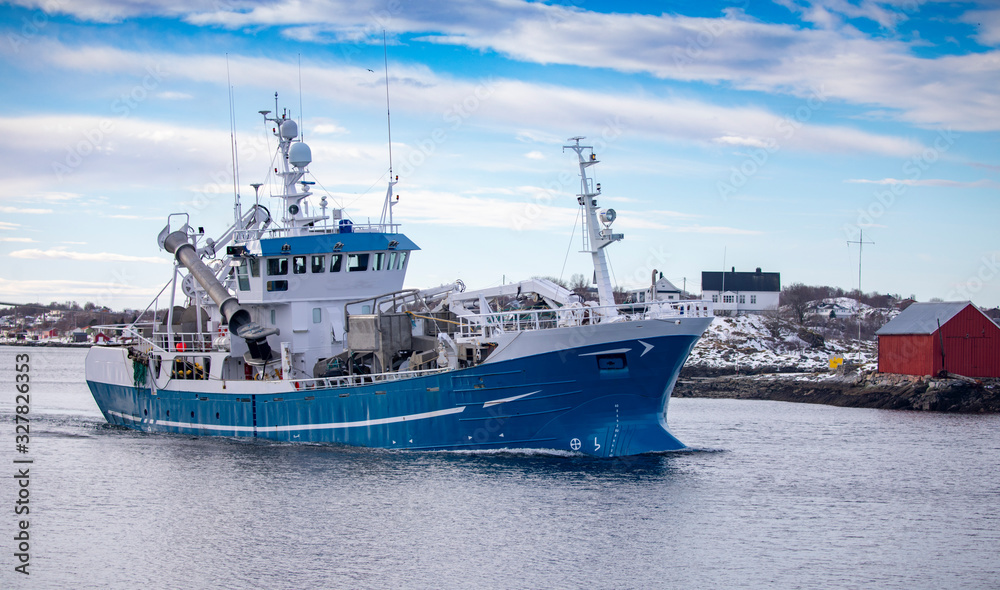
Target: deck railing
356	380
485	325
161	341
184	341
246	235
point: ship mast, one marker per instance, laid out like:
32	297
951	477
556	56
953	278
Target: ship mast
596	236
389	203
296	155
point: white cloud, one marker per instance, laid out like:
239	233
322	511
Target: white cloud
52	149
8	226
170	95
69	289
930	182
535	155
715	230
503	102
110	11
135	217
955	90
327	129
743	141
536	136
24	210
987	24
26	240
62	254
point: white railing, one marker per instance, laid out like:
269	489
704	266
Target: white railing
126	334
184	341
485	325
131	334
356	380
246	235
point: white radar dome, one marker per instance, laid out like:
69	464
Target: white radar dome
289	130
299	154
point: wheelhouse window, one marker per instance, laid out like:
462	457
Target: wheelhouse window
241	276
392	261
299	264
317	315
357	262
277	266
318	263
254	267
277	285
335	262
401	262
378	259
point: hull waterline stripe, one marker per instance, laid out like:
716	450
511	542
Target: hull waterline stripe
329	425
138	420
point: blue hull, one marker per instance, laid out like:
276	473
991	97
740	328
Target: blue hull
605	400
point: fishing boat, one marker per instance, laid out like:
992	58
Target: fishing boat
300	329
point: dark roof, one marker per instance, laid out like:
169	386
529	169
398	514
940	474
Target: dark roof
741	281
922	318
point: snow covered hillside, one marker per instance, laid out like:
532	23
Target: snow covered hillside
757	341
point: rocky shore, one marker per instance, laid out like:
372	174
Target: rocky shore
848	388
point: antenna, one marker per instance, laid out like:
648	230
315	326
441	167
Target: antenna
861	245
388	120
387	206
256	192
232	140
302	129
721	293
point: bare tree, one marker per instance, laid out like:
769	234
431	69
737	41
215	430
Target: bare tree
797	297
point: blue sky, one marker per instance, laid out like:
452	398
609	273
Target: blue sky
730	134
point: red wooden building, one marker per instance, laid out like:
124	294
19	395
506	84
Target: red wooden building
927	338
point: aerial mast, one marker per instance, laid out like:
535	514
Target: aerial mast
597	231
861	245
387	207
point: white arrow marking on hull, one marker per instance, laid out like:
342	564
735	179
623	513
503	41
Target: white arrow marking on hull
509	399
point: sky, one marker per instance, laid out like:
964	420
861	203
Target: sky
736	134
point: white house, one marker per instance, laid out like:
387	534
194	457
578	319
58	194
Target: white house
832	309
665	291
741	291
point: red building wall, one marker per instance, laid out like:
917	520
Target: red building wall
909	354
971	348
971	345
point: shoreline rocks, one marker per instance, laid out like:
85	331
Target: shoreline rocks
844	388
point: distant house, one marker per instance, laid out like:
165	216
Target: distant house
927	338
665	291
79	335
741	291
831	310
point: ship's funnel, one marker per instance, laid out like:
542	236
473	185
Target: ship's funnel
240	322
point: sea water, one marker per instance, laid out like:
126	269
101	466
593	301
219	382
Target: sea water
771	495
